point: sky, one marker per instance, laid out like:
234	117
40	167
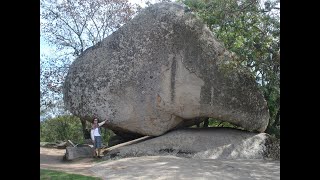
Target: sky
141	2
45	49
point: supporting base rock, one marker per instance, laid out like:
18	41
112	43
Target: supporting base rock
205	143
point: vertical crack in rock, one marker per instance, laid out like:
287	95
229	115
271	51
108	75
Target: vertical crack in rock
173	77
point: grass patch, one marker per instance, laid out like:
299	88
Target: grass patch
58	175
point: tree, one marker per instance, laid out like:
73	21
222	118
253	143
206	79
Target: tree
61	128
78	24
251	30
52	73
72	26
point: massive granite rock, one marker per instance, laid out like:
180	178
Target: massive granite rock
159	71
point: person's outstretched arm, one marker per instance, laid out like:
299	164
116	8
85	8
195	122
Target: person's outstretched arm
102	123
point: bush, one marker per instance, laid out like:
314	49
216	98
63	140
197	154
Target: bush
61	128
67	127
218	123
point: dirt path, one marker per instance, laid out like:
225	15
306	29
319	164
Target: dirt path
162	167
51	158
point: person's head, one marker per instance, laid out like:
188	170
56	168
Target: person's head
95	121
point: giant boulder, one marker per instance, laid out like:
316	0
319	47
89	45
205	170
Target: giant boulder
159	71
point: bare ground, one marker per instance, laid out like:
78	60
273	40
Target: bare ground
162	167
174	168
51	158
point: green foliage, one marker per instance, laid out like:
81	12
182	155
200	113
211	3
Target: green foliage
251	31
106	135
61	128
219	123
67	127
57	175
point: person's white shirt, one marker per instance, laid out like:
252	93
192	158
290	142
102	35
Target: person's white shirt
95	131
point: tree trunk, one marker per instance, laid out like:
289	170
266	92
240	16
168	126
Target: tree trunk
206	122
83	123
277	120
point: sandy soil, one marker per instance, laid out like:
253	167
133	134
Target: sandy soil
162	167
171	167
51	158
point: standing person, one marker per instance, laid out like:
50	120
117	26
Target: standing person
96	136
